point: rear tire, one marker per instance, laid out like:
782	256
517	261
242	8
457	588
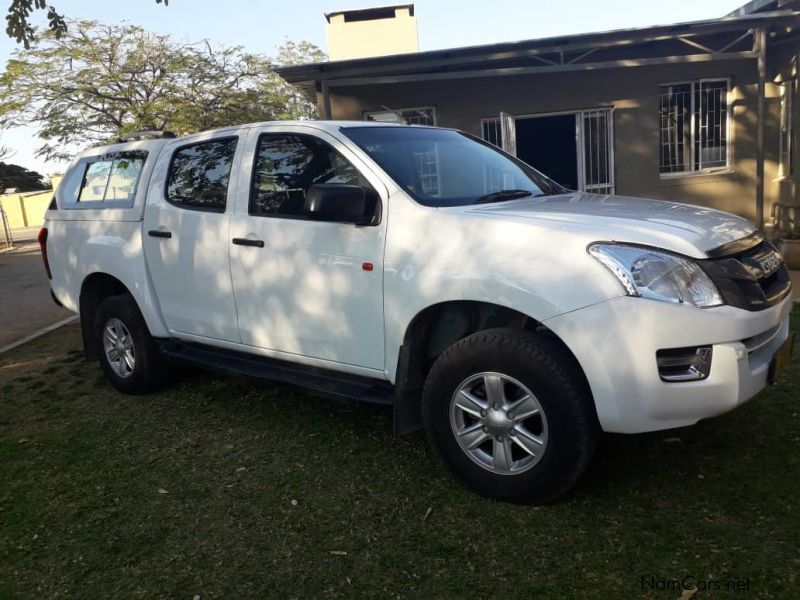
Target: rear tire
534	455
128	353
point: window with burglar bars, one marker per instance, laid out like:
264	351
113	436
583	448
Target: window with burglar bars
694	126
428	169
490	131
408	116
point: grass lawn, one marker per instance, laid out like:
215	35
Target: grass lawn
217	487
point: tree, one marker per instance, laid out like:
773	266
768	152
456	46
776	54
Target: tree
18	19
24	180
99	81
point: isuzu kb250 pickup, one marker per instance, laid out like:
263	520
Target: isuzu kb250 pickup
424	268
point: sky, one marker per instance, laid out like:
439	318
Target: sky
261	26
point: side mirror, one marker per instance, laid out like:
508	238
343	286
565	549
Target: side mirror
337	203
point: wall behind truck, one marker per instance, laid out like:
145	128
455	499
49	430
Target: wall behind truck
27	209
634	94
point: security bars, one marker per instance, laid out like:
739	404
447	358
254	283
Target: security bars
693	126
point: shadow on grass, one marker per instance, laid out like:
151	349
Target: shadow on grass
217	486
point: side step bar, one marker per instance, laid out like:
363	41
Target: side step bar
321	382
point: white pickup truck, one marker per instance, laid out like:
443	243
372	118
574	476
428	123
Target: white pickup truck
422	268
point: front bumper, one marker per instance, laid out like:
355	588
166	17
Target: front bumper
616	342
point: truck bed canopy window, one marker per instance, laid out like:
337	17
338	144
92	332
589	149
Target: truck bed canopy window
103	181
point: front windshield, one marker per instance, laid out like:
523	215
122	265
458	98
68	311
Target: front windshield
442	167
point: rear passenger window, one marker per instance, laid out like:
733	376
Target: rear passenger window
199	174
110	178
286	165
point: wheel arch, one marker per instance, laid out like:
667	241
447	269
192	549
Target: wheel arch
435	328
96	287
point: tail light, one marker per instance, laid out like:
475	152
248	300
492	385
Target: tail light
43	246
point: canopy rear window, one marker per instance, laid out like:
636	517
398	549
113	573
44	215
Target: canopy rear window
103	181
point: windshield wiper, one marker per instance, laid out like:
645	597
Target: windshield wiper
503	195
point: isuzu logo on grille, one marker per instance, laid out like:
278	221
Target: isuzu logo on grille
769	264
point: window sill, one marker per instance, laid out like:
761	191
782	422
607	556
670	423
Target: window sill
695	174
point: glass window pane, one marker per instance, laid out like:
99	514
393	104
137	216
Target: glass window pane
287	165
711	131
595	147
440	167
94	181
421	116
490	131
124	175
675	128
199	175
410	116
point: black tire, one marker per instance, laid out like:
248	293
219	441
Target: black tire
552	375
150	368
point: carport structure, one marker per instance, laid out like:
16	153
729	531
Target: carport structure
615	83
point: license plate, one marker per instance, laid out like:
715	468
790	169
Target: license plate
781	359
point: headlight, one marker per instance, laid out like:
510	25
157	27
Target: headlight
658	275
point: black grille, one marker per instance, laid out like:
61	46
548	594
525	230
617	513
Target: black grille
752	278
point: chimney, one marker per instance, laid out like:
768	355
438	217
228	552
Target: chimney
379	31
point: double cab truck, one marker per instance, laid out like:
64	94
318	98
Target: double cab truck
512	319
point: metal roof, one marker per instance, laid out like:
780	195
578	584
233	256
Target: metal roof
760	6
307	75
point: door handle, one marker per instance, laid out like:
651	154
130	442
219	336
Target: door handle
247	242
159	233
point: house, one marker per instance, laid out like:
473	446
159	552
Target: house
703	112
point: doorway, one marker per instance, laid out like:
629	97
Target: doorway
549	145
574	148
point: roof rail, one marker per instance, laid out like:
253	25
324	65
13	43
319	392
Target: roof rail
154	134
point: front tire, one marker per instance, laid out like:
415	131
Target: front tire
510	414
128	353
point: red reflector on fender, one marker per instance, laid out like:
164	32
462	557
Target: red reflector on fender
43	247
367	266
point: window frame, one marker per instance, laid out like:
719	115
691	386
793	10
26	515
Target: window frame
431	108
231	174
80	169
493	121
251	190
692	171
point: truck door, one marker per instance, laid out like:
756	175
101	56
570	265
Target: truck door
306	287
186	237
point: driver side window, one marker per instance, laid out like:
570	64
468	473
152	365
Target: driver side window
287	165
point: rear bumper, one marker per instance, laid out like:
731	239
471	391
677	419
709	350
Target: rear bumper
616	343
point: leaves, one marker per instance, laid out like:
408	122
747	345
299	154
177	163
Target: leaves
19	26
20	178
97	82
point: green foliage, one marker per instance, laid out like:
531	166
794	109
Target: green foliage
24	180
216	487
99	81
18	20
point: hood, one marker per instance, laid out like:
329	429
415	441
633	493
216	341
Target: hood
690	230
